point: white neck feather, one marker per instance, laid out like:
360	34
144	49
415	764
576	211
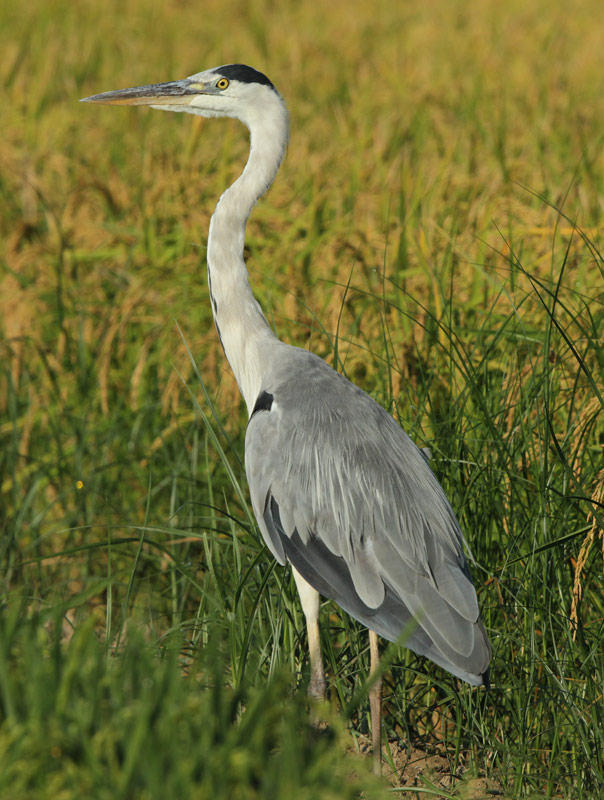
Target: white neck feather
243	329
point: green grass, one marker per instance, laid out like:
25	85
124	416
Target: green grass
149	724
435	232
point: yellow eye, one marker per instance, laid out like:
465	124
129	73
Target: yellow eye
222	83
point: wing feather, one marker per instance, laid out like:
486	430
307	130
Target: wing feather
342	493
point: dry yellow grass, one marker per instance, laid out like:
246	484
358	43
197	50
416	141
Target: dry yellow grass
422	135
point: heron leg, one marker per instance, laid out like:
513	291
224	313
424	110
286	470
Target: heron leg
375	703
310	600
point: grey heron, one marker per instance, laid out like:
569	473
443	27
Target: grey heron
338	488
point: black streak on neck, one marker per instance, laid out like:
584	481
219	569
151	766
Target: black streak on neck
212	298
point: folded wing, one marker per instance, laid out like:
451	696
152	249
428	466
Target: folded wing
341	492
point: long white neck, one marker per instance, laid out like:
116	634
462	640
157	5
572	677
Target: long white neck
245	334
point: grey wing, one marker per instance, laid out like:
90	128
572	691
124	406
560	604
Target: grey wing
341	492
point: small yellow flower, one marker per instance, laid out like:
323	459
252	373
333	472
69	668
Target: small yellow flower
79	484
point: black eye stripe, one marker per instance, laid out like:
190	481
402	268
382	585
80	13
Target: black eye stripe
244	74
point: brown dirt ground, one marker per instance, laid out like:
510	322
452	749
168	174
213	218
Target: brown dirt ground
414	766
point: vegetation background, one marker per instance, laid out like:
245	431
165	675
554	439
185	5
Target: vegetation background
435	232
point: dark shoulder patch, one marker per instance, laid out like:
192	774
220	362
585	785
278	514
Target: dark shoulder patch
243	73
263	403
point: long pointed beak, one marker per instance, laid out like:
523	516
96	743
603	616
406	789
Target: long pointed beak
175	93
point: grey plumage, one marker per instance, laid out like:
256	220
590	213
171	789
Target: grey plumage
339	490
342	492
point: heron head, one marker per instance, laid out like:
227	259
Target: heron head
233	90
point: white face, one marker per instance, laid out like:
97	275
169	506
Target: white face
220	96
207	94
